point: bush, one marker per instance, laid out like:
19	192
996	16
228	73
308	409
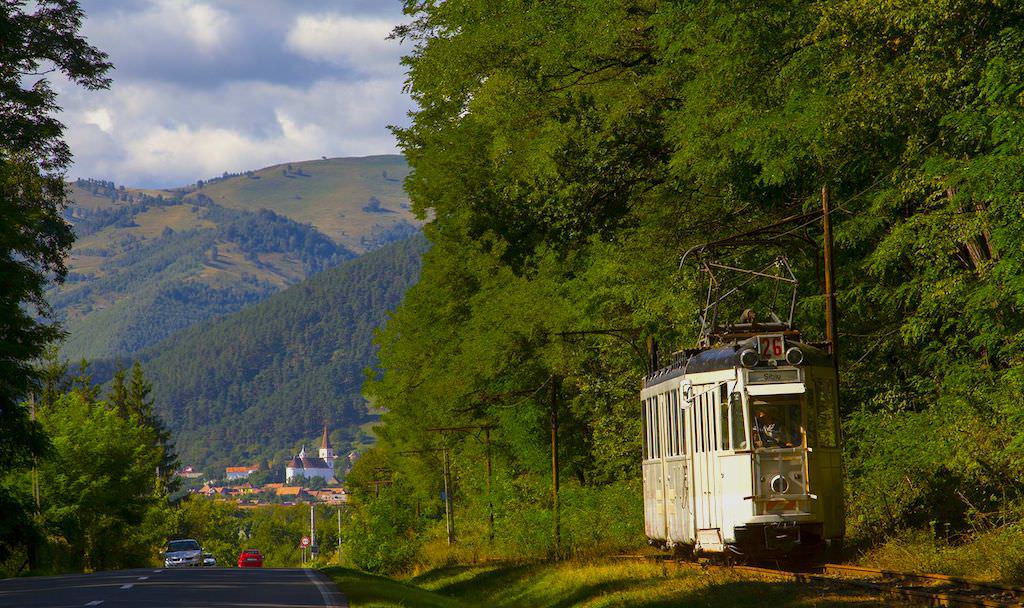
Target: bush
382	536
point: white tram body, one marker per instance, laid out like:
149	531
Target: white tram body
742	449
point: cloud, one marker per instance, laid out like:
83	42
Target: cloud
166	135
357	43
207	86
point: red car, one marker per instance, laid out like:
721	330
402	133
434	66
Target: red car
250	558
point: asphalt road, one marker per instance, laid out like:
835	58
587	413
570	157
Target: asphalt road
178	588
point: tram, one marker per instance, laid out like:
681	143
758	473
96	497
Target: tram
742	447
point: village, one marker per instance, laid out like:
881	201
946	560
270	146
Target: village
307	479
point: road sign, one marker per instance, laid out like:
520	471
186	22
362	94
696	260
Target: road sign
305	542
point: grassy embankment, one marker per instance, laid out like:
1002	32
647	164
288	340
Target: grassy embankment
584	583
992	555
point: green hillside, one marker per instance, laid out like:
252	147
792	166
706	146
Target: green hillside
355	201
149	262
253	384
141	272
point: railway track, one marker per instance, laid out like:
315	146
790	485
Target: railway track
926	589
911	587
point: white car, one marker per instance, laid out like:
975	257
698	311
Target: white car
184	553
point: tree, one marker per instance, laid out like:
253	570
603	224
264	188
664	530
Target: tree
139	408
34	239
99	507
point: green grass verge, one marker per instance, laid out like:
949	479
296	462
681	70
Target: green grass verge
588	584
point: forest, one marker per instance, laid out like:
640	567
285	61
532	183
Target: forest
254	384
569	153
149	288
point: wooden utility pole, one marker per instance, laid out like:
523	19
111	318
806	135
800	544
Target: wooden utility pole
36	493
490	500
486	428
449	516
554	461
831	325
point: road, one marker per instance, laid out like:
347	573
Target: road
180	588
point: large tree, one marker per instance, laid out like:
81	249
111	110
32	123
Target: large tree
38	38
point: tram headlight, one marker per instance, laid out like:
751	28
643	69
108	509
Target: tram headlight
794	356
749	358
779	484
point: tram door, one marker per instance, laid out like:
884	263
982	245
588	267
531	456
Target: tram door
677	482
707	477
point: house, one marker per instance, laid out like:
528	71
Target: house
231	473
188	473
289	492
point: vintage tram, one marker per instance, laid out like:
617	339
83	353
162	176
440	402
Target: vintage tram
741	447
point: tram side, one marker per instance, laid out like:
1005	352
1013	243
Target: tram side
743	458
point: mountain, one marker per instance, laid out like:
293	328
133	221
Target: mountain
150	262
251	385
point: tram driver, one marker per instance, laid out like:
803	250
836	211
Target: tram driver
771	429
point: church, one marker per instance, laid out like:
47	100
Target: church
309	467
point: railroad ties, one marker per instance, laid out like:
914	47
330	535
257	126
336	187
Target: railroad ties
911	587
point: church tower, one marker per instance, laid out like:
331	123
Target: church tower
326	451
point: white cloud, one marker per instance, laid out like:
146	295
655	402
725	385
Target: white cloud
208	27
207	86
168	135
162	28
99	117
358	43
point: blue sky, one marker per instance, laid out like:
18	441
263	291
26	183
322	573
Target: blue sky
207	86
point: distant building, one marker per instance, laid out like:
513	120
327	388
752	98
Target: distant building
240	472
309	467
188	473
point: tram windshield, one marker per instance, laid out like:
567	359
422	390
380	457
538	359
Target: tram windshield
776	421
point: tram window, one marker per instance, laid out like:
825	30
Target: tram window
776	422
716	441
681	431
646	435
701	425
670	431
827	432
673	400
654	428
723	408
739	429
811	416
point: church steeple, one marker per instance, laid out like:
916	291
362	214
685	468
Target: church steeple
325	443
326	451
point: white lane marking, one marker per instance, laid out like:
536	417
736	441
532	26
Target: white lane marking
142	578
157	571
128	586
331	597
95	603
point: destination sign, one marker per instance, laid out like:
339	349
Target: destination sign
772	376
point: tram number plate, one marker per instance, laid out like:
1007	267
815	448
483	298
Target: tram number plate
771	347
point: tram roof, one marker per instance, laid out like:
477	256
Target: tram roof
724	357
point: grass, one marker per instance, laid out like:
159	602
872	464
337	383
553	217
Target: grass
994	555
591	584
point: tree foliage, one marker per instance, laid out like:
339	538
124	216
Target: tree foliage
568	153
38	39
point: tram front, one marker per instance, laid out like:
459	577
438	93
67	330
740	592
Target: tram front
788	390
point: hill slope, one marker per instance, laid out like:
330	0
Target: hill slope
255	383
150	262
355	201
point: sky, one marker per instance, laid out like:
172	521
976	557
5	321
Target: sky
201	87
